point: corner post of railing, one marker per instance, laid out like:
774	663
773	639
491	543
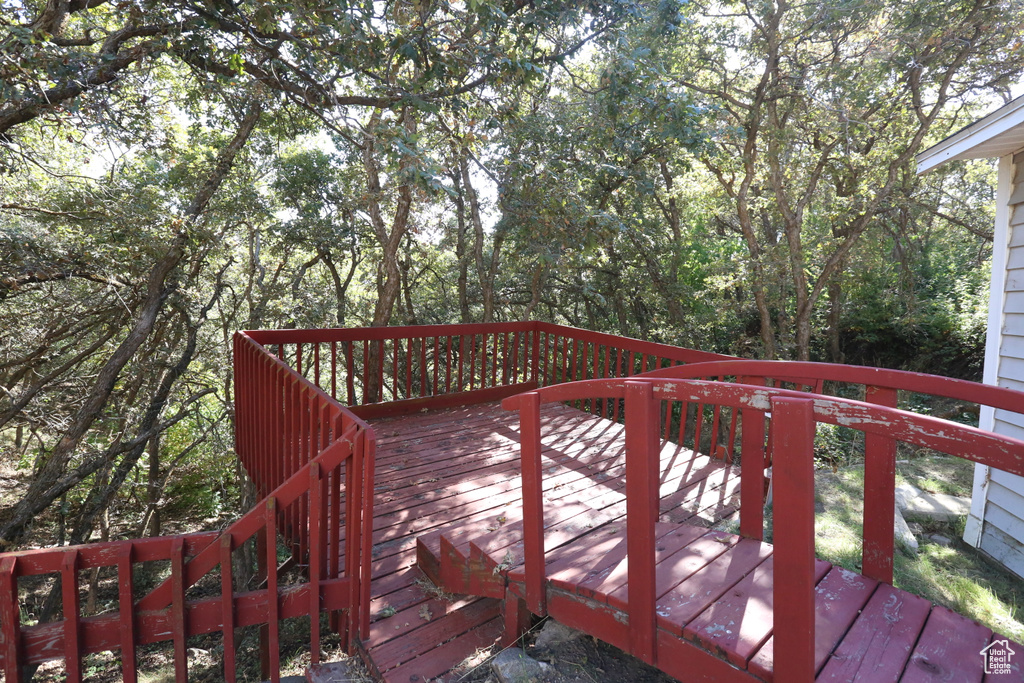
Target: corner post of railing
879	494
533	501
72	616
793	525
752	479
643	421
10	619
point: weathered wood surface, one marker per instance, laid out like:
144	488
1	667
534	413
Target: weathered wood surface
715	608
456	473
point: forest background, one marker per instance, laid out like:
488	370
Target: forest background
730	176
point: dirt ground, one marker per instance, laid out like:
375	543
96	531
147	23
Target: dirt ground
582	659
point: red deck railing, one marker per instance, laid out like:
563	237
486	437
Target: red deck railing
878	386
311	461
393	370
794	415
308	458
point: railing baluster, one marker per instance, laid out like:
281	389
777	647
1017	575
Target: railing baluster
698	426
316	508
643	465
334	371
408	367
316	364
793	524
472	363
227	606
879	494
10	618
716	419
565	360
504	360
533	502
72	615
126	610
178	625
462	358
448	366
273	628
437	348
494	361
396	346
548	357
348	348
380	370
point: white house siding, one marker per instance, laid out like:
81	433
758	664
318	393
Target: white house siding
1003	531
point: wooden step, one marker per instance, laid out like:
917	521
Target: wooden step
502	550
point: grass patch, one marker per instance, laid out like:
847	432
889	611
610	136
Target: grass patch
958	577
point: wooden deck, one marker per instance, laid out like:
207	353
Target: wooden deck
714	607
459	469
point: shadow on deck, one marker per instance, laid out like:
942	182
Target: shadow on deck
457	472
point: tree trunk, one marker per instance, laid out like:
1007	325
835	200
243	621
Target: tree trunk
51	481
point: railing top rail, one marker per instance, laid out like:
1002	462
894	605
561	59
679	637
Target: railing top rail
971	443
105	553
804	371
352	334
343	334
648	347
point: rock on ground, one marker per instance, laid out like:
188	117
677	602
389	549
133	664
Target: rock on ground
515	666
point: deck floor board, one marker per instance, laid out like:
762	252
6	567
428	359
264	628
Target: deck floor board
444	469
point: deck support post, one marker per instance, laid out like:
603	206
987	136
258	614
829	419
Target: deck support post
752	479
793	589
879	494
533	502
517	618
643	446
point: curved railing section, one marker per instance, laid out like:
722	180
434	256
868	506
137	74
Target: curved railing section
793	415
309	459
878	386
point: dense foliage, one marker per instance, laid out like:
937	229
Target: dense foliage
734	176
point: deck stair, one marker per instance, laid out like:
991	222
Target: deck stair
714	606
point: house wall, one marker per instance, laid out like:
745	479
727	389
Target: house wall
1002	528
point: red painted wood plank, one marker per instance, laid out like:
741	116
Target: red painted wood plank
72	616
406	620
949	649
688	662
679	556
877	646
838	599
793	597
880	495
688	599
126	609
603	548
738	623
227	607
436	663
10	616
178	626
426	634
642	461
589	616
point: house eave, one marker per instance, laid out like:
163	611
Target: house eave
995	135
